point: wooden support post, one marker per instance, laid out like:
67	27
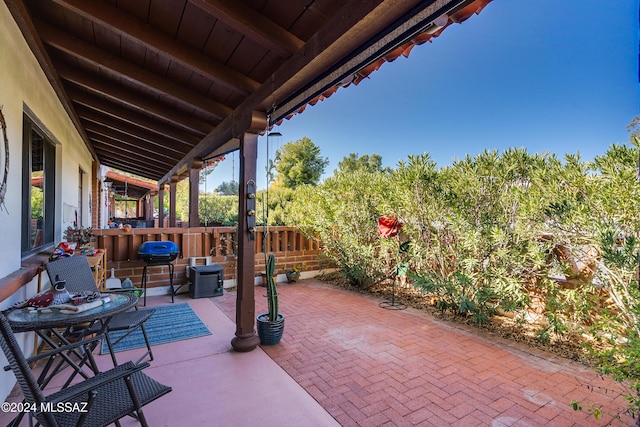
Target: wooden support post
194	189
246	338
173	186
161	206
148	208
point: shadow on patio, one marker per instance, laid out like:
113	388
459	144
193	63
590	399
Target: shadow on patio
352	362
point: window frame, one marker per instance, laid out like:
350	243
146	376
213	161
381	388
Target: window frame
80	222
32	127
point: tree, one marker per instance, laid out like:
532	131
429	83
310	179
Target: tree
299	162
182	200
634	127
209	167
365	162
228	188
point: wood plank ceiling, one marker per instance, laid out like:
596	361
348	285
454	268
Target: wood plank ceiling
156	85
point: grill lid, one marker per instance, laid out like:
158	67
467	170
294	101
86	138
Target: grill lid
158	248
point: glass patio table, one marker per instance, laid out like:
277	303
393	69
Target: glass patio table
56	328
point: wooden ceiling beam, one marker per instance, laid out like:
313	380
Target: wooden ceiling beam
122	164
133	192
248	21
143	122
131	101
124	157
131	180
146	149
139	32
134	131
127	152
125	70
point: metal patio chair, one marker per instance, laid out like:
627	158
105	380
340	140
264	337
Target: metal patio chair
96	401
75	270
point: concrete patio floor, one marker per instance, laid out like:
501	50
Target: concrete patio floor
345	361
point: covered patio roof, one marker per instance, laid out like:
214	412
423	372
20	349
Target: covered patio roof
158	88
128	185
156	85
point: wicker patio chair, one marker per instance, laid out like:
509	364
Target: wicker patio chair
76	271
97	401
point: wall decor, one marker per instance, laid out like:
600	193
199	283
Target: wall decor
4	160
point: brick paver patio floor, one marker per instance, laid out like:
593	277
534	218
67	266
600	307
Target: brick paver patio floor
368	366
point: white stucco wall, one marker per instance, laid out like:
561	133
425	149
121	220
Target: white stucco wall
23	85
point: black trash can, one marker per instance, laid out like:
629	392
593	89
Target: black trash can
206	281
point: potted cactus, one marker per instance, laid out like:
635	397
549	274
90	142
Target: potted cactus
271	325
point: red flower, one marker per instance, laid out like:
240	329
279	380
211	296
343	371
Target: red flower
389	226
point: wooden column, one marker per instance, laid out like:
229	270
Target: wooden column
246	338
194	193
150	198
96	197
161	206
173	185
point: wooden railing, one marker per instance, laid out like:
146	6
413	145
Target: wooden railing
288	244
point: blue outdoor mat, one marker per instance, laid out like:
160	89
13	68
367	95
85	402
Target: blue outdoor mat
169	323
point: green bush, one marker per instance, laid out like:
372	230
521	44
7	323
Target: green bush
474	233
273	208
218	210
343	213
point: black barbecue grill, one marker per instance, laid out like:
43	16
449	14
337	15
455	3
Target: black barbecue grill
158	253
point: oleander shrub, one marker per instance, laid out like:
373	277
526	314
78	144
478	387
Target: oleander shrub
218	210
486	232
342	212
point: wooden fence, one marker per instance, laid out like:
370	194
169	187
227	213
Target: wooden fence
216	244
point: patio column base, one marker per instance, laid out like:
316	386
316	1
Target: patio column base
245	343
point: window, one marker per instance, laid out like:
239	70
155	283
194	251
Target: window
38	189
79	221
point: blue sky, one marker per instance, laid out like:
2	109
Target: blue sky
547	75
